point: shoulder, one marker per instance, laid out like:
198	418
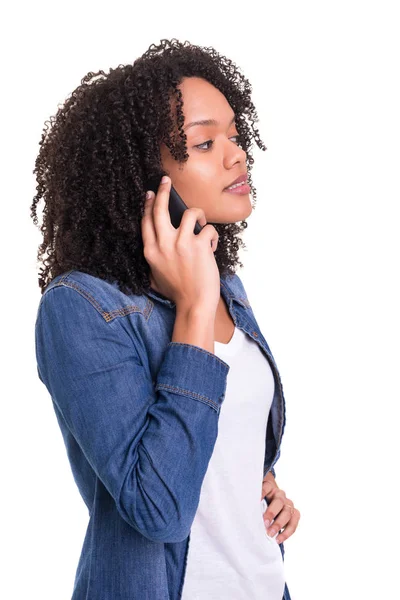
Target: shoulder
104	295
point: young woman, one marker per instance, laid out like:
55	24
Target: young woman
167	395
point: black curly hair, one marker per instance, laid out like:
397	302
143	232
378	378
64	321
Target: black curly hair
104	144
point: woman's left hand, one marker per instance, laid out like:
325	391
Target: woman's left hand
280	509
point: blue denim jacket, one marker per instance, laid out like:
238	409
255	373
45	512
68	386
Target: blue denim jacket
139	418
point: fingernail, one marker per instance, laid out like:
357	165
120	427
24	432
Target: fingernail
149	195
267	523
165	179
271	533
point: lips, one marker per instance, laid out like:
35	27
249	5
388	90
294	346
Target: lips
240	179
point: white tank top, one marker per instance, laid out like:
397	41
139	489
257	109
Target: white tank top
230	554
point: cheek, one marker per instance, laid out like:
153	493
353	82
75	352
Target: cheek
207	196
199	185
199	192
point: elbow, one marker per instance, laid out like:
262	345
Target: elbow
172	533
153	521
168	536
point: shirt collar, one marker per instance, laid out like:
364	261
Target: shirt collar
228	290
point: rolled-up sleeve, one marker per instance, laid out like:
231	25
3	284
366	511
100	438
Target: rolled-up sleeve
150	444
272	469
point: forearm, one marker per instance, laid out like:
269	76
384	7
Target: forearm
196	327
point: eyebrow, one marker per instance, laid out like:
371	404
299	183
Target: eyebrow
206	122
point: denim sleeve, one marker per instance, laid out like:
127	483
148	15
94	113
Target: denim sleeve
272	470
150	444
275	461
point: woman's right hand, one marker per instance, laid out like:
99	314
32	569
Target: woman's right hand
183	265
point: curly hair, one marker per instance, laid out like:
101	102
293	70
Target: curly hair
104	144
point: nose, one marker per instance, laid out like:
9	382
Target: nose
234	154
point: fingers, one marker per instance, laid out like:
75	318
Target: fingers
267	487
156	218
188	221
147	225
290	527
275	506
161	217
186	227
210	234
280	512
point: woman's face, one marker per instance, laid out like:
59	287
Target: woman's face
211	166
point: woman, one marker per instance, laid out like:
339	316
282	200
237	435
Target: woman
145	338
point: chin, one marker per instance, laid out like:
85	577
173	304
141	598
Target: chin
228	215
241	215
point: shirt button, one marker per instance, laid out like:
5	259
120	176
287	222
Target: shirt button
255	333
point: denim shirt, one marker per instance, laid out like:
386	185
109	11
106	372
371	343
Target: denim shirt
139	419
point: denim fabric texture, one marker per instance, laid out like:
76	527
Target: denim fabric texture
139	419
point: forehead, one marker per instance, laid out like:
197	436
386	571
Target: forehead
202	100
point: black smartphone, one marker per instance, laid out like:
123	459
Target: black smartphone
176	205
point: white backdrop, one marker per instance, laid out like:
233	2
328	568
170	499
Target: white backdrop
322	248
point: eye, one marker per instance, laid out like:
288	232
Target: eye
212	141
237	139
203	144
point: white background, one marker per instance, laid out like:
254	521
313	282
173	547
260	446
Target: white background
321	271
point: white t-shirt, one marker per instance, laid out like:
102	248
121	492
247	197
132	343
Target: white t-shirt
230	554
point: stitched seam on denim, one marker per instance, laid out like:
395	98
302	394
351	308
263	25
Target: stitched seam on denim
92	534
83	293
107	316
227	289
243	299
199	350
149	308
117	312
121	312
184	570
187	393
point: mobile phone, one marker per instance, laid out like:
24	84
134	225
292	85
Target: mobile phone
176	205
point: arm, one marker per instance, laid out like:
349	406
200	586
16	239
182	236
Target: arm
149	444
